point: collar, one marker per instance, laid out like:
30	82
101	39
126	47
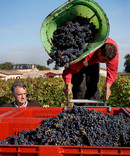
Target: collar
15	105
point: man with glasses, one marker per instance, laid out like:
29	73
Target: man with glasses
19	92
84	75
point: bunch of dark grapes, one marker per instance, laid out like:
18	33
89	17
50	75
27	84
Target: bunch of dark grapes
77	126
69	41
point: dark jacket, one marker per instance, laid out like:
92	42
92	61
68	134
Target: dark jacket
31	103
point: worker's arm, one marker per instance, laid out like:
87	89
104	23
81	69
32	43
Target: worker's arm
67	89
107	91
67	75
112	68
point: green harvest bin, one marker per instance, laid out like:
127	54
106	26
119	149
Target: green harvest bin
69	10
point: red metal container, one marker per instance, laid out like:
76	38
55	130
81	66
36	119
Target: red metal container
4	110
36	112
22	150
40	112
31	117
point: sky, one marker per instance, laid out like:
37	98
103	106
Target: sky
21	20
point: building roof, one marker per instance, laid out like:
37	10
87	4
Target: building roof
30	73
22	66
50	74
103	69
43	72
2	76
10	72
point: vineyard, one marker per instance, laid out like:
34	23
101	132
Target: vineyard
48	91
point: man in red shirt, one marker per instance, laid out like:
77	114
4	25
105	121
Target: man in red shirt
84	75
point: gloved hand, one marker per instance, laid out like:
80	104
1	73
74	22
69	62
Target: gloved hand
45	106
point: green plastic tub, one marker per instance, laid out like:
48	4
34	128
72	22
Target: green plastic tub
69	10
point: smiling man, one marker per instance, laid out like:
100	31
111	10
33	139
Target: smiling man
84	75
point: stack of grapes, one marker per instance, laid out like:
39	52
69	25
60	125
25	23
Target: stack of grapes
77	126
69	41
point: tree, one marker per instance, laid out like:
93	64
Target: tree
5	66
42	67
127	63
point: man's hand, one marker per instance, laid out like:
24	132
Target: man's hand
45	106
67	89
107	91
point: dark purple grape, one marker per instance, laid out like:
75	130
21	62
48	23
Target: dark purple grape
70	40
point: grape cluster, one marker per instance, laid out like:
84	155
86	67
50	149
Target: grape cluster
77	126
69	41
